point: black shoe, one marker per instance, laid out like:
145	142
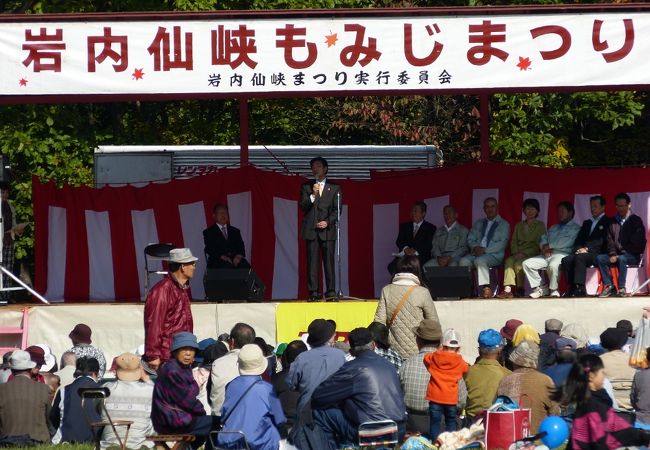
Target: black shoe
330	296
621	293
607	291
314	297
580	291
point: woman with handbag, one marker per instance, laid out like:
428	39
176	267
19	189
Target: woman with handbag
596	426
403	304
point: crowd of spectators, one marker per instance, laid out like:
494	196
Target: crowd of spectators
310	389
315	391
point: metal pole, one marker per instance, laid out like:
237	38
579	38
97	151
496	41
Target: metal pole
339	291
22	283
484	110
243	131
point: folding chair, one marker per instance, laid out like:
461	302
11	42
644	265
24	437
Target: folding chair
101	394
378	434
155	252
638	283
495	276
179	441
236	436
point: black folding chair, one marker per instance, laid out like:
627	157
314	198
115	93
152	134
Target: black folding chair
99	395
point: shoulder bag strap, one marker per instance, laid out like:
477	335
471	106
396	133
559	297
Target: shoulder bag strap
223	419
406	295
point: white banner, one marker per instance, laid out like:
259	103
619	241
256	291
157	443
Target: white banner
311	55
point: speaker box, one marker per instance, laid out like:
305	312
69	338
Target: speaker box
233	284
448	283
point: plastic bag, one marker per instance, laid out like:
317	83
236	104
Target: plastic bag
638	357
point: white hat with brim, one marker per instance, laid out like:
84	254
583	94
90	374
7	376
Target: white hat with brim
251	360
50	360
20	360
181	256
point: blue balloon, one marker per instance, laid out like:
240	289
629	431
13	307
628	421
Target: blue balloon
557	431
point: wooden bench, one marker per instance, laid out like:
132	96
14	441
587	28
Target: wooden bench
180	441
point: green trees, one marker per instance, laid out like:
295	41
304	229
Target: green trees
561	130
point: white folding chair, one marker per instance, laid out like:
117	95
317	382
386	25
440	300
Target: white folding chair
378	434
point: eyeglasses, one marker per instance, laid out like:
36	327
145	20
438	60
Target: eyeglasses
193	263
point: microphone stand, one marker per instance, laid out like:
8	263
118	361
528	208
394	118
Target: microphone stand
339	290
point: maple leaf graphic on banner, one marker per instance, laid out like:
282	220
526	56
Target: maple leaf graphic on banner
138	74
22	82
524	63
331	39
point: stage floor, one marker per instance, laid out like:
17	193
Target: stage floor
117	327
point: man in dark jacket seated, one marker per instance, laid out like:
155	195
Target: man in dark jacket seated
590	242
415	237
224	245
625	243
362	390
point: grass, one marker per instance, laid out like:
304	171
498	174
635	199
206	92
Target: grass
64	447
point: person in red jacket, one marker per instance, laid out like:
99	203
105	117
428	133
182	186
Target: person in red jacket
446	367
167	309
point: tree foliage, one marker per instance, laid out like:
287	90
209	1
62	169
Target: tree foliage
549	129
50	142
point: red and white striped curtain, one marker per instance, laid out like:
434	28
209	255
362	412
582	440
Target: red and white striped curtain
90	242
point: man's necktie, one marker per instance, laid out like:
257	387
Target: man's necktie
416	227
224	231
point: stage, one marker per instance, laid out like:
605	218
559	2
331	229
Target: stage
117	327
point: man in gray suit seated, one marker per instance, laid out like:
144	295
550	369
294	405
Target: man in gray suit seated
449	241
487	242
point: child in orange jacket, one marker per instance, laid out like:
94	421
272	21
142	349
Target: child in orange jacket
446	367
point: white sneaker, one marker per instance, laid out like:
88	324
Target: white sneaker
540	291
555	293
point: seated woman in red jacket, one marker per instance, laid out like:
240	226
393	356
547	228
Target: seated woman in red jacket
175	408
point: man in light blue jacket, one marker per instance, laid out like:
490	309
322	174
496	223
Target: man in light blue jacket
555	245
487	242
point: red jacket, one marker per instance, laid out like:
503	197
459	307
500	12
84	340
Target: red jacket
167	311
445	368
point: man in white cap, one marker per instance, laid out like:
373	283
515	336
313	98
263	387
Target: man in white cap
24	403
167	309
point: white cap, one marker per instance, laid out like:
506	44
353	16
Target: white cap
451	338
181	256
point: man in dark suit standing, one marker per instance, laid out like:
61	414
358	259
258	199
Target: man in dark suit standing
591	241
224	245
319	200
415	237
